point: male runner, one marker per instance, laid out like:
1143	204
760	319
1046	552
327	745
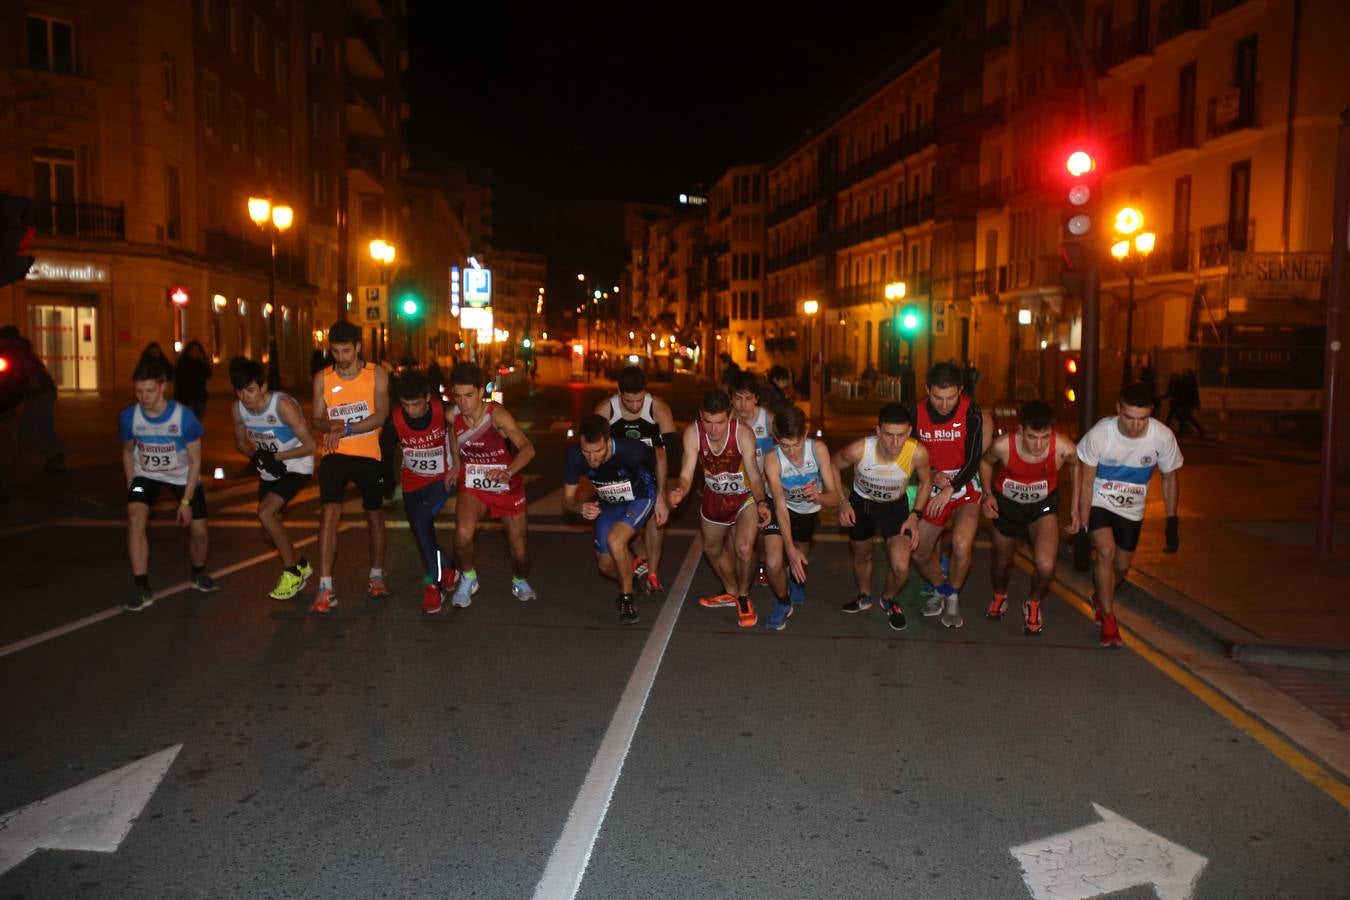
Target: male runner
161	448
628	493
1023	500
956	434
1118	456
635	413
799	480
733	497
274	426
489	479
884	464
351	402
430	468
744	388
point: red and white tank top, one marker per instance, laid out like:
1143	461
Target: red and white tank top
724	469
425	457
1022	481
483	450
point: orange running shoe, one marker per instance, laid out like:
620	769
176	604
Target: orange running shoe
1032	623
717	600
745	613
376	589
1111	632
997	607
324	601
654	585
432	599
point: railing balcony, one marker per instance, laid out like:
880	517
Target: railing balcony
1174	131
785	211
1033	271
1176	17
81	220
1232	110
1123	45
224	247
995	193
990	282
1217	242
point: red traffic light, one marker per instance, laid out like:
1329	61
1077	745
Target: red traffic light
1071	365
1079	163
4	364
179	296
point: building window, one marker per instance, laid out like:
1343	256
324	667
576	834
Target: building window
236	25
51	45
54	190
279	68
237	126
170	84
320	188
260	139
173	204
1239	200
259	46
211	105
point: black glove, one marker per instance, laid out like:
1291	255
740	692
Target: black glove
266	461
1173	538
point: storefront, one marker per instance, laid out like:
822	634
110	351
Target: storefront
63	302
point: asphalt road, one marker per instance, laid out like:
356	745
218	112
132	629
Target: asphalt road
382	753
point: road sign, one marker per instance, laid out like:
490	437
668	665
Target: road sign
374	309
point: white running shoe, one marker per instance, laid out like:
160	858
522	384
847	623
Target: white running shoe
951	613
464	590
522	591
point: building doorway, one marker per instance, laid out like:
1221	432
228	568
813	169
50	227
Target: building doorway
65	338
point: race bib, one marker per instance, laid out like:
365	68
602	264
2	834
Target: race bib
616	492
476	477
157	457
726	483
959	492
350	412
876	490
1026	492
264	440
1122	494
424	460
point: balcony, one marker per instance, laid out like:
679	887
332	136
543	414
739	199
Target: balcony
81	220
995	193
363	166
996	35
1033	272
1176	17
1217	242
990	282
1174	132
234	250
365	57
785	211
1232	110
362	120
795	256
995	113
1123	45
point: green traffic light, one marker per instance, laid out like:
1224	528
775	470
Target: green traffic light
527	343
410	307
909	320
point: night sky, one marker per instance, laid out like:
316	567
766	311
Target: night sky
573	106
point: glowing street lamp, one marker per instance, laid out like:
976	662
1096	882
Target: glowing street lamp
272	218
1132	247
817	369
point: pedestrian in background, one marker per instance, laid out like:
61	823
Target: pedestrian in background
155	353
189	379
1188	389
37	396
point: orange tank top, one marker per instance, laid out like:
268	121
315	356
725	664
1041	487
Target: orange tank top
353	400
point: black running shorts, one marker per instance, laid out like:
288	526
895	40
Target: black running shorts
146	490
871	517
336	469
1014	518
285	487
1125	531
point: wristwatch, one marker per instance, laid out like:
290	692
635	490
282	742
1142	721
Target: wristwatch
347	429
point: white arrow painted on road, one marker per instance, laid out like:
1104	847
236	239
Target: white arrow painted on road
95	815
1105	857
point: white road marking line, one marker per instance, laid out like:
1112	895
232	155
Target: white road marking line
52	633
572	854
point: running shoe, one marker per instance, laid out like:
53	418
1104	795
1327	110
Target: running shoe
762	577
204	583
1111	632
288	585
1032	623
951	612
860	603
717	600
464	590
796	592
777	620
1096	607
639	567
432	599
306	570
628	613
376	589
140	599
324	601
745	613
522	591
654	585
895	614
449	577
932	602
997	607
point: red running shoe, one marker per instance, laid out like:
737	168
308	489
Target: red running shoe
997	607
1032	623
1110	632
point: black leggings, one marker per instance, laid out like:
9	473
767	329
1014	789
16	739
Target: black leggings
422	507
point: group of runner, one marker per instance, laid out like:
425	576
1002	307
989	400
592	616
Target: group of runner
920	476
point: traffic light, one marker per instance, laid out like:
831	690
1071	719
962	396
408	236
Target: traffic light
909	320
410	307
1078	218
1073	379
15	236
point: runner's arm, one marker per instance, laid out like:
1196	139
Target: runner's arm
996	453
194	452
1086	476
505	423
689	446
925	473
129	460
376	420
290	413
1171	488
833	494
975	447
1068	453
669	440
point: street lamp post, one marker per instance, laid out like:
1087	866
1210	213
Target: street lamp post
1131	250
272	219
384	254
812	309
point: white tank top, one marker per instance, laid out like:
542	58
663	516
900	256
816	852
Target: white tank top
160	451
795	478
883	480
268	432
